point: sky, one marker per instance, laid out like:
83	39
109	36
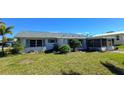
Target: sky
91	26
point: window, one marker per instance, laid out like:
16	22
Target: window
39	43
35	43
117	38
52	41
32	43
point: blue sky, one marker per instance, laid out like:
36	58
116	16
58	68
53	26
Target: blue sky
66	25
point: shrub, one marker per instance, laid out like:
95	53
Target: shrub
13	51
74	43
64	49
17	48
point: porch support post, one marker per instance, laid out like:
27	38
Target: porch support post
111	43
101	42
45	41
93	43
84	44
35	43
106	42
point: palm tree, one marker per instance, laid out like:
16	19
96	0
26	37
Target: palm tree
3	31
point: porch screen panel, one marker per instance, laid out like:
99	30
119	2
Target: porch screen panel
104	43
89	43
97	43
109	42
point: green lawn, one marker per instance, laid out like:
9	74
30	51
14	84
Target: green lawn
121	47
58	64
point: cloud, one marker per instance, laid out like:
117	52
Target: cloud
79	33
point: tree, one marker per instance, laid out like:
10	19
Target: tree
17	47
10	39
74	43
3	31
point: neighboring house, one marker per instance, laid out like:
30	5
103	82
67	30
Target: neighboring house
117	36
37	41
7	43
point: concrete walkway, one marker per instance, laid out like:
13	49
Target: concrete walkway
118	51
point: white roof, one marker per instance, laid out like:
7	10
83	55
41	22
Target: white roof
30	34
109	34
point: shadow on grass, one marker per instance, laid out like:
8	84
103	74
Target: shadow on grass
70	73
3	54
91	51
6	54
113	68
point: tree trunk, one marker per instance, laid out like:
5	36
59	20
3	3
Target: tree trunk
3	45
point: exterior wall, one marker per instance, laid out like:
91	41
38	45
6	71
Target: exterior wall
65	41
117	42
35	49
23	41
60	41
46	45
120	41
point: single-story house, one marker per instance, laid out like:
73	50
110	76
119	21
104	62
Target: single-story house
37	41
117	36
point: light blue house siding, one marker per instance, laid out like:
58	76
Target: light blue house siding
45	43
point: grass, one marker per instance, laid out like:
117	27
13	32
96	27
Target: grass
75	63
121	47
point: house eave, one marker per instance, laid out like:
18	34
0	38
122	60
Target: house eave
54	37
